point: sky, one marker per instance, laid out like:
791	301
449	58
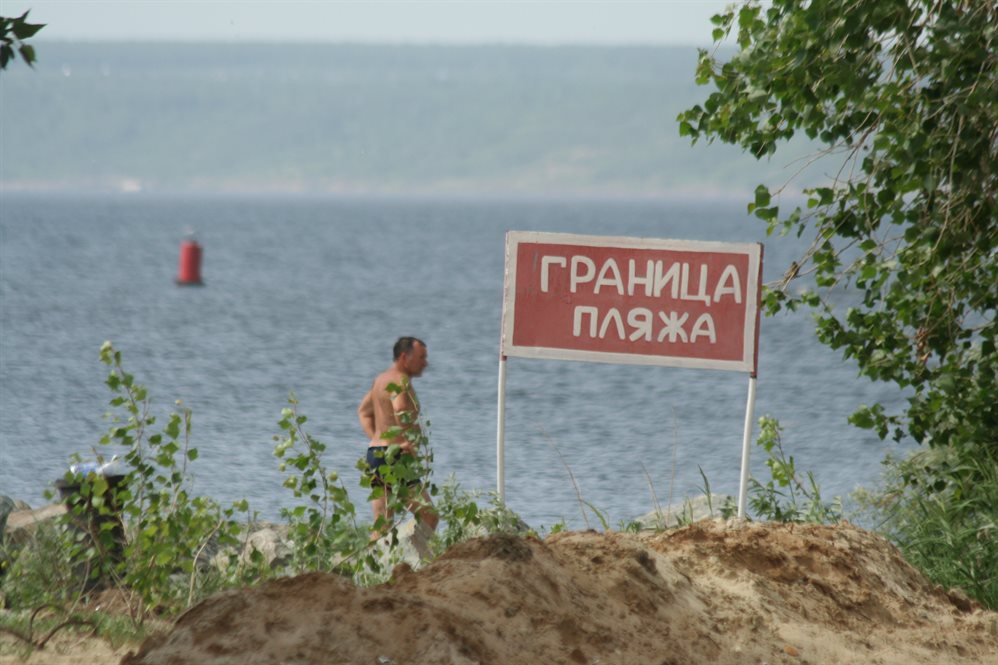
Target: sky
658	22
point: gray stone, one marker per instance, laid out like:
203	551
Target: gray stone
7	506
271	540
687	511
19	528
413	547
270	544
22	524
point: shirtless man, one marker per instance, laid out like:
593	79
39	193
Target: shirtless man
380	411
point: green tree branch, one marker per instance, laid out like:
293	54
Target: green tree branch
13	32
905	93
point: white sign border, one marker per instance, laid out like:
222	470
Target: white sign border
751	328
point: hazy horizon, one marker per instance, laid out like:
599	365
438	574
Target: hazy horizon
588	121
665	22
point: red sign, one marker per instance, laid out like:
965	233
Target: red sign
632	300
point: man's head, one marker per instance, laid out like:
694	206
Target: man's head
410	355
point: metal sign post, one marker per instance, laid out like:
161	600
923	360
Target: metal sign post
746	447
501	433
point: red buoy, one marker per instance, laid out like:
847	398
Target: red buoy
189	273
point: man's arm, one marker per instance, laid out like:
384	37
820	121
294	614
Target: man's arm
406	408
365	412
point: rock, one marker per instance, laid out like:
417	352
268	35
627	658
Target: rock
18	528
420	539
271	540
685	512
6	508
412	549
498	520
22	524
962	601
270	544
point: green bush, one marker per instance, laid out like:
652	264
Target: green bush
170	530
786	497
162	548
324	531
44	569
941	509
463	518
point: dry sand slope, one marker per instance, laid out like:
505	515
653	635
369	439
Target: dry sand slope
708	593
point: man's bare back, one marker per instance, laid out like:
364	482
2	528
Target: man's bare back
390	396
391	403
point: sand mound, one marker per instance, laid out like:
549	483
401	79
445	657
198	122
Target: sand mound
708	593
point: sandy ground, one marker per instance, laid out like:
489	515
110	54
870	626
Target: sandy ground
66	651
713	592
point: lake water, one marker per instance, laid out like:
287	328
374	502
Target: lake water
308	294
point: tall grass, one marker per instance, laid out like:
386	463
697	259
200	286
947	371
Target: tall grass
940	507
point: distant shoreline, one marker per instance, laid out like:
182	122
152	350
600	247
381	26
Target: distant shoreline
430	191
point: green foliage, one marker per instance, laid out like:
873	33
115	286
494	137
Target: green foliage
45	570
460	513
903	263
170	529
324	530
35	629
13	32
948	527
903	92
629	526
145	537
785	497
558	527
406	477
140	532
727	509
463	518
599	514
